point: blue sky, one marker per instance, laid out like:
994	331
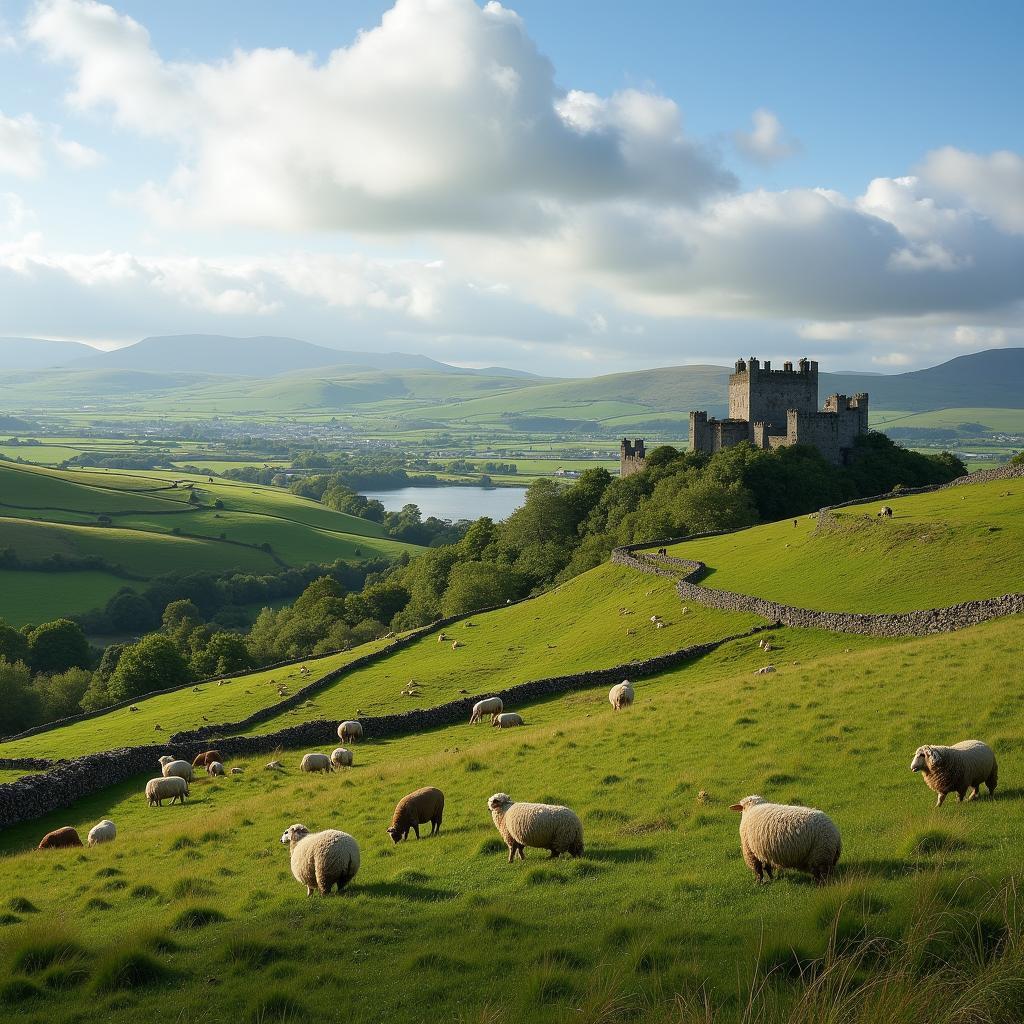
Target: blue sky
579	189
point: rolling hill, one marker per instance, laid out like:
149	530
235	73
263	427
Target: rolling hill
38	353
658	920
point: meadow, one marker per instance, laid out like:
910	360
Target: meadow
942	548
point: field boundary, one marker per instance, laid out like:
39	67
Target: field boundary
923	622
66	782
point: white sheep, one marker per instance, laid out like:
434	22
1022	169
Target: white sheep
172	787
237	771
172	768
102	832
621	695
215	768
957	769
487	706
509	720
321	860
542	826
274	766
350	731
774	836
341	758
765	670
315	763
456	645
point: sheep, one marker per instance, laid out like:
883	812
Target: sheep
351	730
764	670
487	706
102	832
172	788
621	695
315	763
133	708
542	826
215	768
237	771
59	838
659	624
774	836
885	512
655	618
957	769
321	860
416	809
182	769
506	721
158	728
441	638
341	758
274	766
207	757
456	645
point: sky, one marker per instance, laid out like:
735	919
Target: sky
566	187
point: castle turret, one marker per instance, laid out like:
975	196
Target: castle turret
632	456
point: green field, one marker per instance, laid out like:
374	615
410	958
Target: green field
1008	421
953	545
35	597
659	920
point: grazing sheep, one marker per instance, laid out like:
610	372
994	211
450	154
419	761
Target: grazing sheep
659	624
764	670
102	832
182	769
133	708
487	706
957	769
350	731
542	826
655	618
315	763
172	788
341	758
321	860
775	836
885	512
237	771
630	632
274	766
441	638
158	728
456	645
215	768
59	838
207	757
416	809
621	695
506	721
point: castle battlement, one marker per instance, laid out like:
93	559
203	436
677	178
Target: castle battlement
632	455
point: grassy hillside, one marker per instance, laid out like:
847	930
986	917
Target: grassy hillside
192	912
938	549
41	596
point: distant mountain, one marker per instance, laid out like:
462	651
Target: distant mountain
987	380
256	357
38	354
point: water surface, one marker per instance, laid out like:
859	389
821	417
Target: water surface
454	502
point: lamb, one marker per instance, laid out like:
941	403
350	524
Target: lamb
957	769
59	838
621	695
416	809
171	767
172	788
341	758
509	720
207	757
102	832
350	731
321	860
542	826
775	836
315	763
215	768
487	706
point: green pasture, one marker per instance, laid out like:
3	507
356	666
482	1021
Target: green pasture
195	908
938	549
34	597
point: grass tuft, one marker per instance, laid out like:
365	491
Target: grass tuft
197	917
123	972
20	905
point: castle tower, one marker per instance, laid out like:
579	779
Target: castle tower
759	394
632	456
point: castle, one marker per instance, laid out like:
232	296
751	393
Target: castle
771	409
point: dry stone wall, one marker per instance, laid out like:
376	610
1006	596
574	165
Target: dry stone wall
66	782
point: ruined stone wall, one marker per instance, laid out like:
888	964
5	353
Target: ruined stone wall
67	782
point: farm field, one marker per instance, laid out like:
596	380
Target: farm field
954	545
35	597
189	893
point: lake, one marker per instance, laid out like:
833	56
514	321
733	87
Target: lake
454	502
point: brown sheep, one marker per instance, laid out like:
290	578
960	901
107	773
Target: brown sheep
206	758
60	838
417	808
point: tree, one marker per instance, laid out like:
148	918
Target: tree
19	702
108	661
127	612
474	585
154	663
179	616
225	653
58	645
61	694
13	644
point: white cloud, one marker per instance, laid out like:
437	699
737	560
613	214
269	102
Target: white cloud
20	146
75	154
992	184
767	141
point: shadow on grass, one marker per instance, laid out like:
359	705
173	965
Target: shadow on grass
406	891
626	855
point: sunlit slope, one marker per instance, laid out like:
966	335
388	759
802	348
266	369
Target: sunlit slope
35	597
939	549
187	708
660	902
